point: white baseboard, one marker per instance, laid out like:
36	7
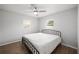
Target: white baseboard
68	45
9	42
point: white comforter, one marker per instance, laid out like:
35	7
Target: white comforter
44	43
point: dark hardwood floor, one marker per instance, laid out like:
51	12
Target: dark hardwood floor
19	48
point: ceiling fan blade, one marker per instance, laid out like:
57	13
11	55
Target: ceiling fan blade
29	11
33	8
42	11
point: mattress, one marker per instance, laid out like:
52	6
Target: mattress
44	43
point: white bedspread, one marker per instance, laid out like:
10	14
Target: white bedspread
44	43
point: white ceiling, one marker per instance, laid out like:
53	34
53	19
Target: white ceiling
50	8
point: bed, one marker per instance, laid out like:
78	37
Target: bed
42	43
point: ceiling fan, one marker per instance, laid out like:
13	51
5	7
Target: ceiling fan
35	9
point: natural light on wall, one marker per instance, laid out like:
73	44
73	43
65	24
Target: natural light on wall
26	23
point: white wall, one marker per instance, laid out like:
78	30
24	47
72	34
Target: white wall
12	27
66	22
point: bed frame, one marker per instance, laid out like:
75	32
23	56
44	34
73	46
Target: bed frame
32	47
50	31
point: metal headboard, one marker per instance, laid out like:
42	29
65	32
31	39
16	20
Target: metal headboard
50	31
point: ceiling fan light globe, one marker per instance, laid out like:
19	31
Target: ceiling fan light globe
35	13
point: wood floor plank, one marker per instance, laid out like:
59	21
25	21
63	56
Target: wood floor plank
19	48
